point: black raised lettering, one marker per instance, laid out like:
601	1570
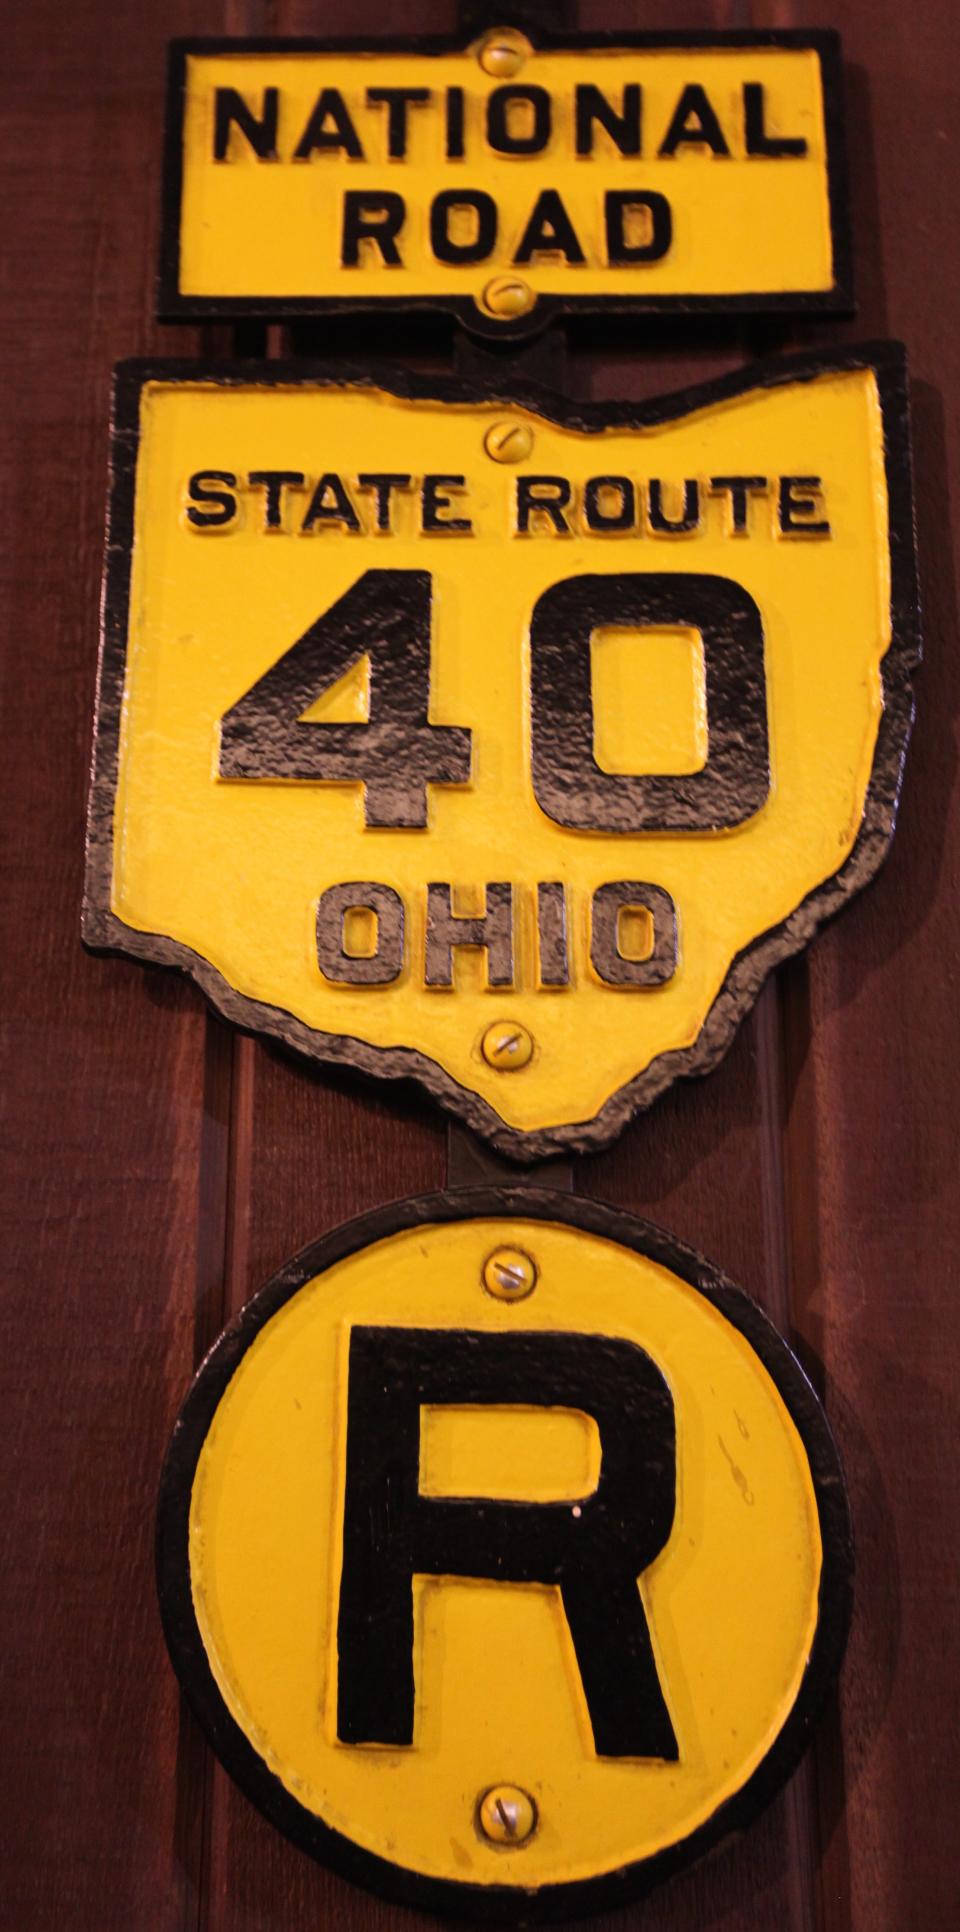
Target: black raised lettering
383	483
797	504
501	122
680	526
397	101
694	124
330	503
618	203
739	489
776	147
553	950
601	518
199	491
549	231
372	215
593	1553
492	932
570	786
455	118
384	963
482	206
591	107
531	498
273	483
435	499
329	129
610	961
231	110
385	617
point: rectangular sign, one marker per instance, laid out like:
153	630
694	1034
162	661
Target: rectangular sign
505	182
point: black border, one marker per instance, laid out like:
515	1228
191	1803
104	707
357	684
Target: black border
173	306
103	931
498	1904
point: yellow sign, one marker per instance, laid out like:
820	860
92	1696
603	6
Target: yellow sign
494	740
524	1594
503	181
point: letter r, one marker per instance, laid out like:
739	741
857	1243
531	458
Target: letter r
594	1554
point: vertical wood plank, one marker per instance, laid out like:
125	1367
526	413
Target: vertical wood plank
110	1112
872	1043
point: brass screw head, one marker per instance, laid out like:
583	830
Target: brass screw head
507	296
506	1815
509	1274
509	442
503	52
507	1046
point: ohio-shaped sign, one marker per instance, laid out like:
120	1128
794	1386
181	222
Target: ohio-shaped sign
474	735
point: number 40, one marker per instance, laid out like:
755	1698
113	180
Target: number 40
386	617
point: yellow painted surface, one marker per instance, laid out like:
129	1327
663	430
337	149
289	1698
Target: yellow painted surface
649	706
741	224
234	870
511	1453
731	1601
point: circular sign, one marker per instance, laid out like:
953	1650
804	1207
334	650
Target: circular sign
504	1553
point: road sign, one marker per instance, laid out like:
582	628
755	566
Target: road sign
501	741
504	181
494	1594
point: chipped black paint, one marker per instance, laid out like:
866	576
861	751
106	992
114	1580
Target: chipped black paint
553	945
385	963
384	617
570	786
615	967
491	932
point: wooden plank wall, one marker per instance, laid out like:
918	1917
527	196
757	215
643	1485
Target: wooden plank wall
157	1168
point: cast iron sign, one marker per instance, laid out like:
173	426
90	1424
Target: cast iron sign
504	181
473	735
503	1599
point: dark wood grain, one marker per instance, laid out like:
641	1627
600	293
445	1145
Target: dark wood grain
871	1066
114	1138
159	1167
